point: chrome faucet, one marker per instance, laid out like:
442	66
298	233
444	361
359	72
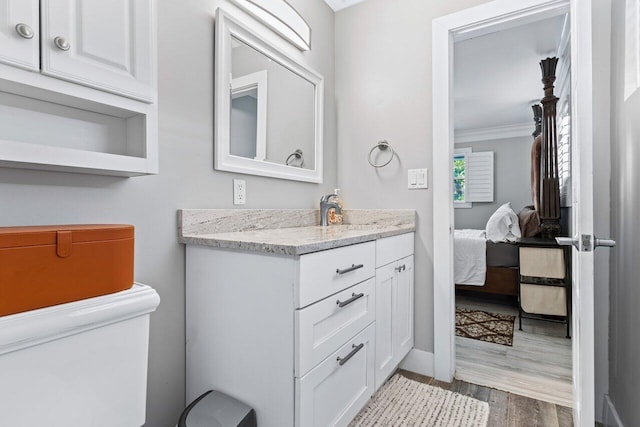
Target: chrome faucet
325	205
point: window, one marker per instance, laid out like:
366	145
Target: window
459	166
472	177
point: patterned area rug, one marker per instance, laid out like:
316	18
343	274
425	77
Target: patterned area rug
404	402
484	326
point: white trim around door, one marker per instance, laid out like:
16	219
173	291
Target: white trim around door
483	19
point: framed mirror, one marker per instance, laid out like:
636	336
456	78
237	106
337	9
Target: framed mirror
268	107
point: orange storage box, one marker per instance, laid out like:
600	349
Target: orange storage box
48	265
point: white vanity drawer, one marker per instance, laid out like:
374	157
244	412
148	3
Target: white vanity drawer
332	394
392	248
326	325
327	272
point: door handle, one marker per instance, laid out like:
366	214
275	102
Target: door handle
569	241
585	242
604	242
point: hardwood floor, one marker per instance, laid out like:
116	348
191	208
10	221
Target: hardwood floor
506	409
538	365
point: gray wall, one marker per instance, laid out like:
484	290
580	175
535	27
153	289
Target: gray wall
624	345
186	180
244	126
383	91
511	180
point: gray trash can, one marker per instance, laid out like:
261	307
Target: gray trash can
215	409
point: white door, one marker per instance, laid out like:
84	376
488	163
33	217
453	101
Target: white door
583	221
20	33
489	17
107	45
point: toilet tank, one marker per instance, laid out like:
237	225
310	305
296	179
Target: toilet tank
77	364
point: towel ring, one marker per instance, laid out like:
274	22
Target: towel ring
293	156
382	146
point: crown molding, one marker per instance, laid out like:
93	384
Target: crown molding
493	133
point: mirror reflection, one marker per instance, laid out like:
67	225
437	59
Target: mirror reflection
272	110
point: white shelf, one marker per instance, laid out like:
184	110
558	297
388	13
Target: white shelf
48	124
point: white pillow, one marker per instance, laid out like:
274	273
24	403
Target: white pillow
503	225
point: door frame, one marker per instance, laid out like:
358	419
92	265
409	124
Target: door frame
473	22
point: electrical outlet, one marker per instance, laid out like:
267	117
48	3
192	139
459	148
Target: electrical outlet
239	192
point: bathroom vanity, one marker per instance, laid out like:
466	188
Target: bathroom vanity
303	323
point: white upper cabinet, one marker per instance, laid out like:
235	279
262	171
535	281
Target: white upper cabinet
85	72
106	45
20	33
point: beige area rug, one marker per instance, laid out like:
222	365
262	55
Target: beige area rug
484	326
402	402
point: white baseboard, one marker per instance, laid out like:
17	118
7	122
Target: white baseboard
418	361
610	418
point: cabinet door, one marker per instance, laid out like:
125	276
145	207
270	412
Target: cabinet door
108	45
403	315
385	301
333	392
20	33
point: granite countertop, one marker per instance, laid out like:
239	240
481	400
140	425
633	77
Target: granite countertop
216	228
298	240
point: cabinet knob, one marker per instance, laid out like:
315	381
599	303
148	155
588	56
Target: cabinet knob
24	31
62	43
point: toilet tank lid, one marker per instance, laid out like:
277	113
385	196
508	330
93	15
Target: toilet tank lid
30	328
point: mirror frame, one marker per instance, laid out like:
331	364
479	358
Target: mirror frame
227	26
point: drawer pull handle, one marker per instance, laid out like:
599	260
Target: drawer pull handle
342	361
348	269
401	268
354	297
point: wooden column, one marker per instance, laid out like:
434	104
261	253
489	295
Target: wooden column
549	176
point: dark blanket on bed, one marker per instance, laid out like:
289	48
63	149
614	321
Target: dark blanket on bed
502	254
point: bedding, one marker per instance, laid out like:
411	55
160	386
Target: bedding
503	225
470	260
529	222
502	254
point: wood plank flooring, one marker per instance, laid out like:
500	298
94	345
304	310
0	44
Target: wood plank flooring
538	365
506	409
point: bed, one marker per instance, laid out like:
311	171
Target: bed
481	265
487	260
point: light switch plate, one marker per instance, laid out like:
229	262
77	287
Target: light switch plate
417	179
239	192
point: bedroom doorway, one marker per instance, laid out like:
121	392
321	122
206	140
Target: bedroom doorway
474	22
497	344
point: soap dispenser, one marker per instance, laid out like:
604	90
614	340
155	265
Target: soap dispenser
336	218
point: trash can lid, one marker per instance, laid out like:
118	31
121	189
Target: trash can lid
215	409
